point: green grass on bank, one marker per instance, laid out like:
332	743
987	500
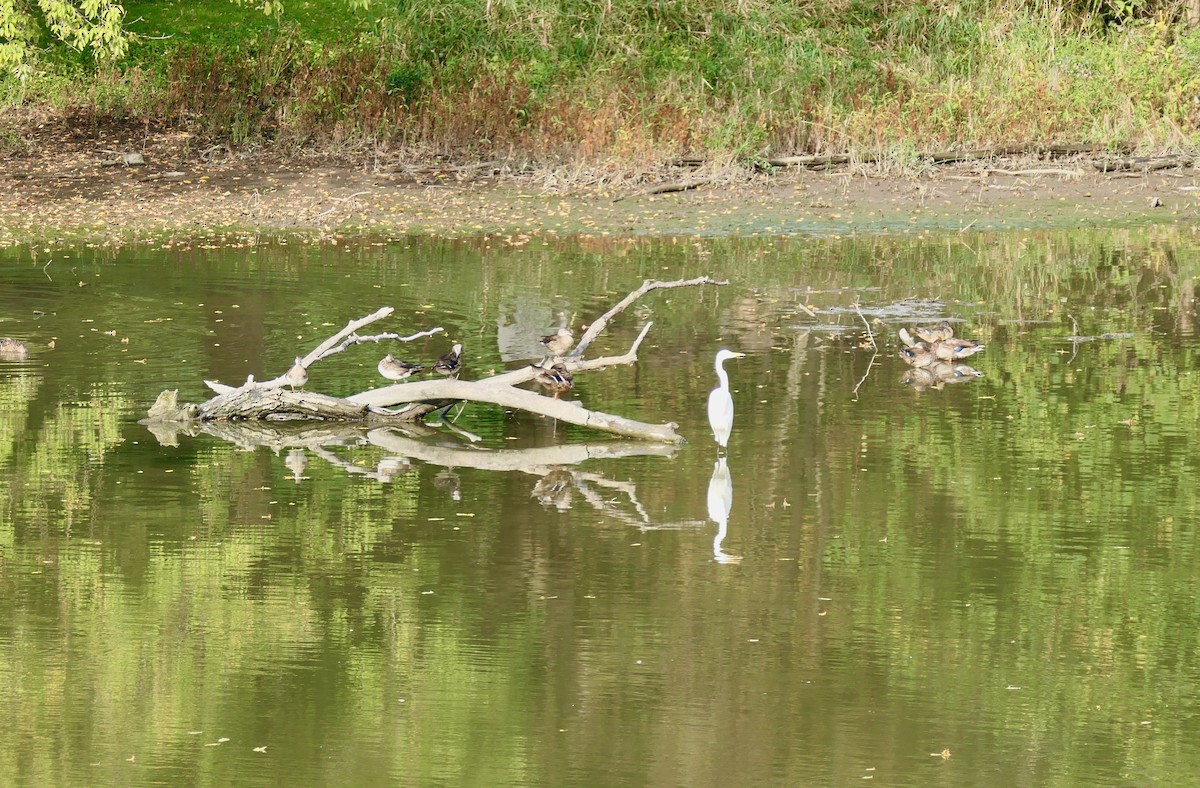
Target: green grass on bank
636	82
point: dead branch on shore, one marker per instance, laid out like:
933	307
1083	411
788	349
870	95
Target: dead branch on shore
668	188
1143	163
829	160
408	402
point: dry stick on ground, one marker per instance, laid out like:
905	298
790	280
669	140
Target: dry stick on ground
668	188
1053	171
271	401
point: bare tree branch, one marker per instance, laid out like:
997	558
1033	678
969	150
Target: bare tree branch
355	339
600	323
509	397
525	374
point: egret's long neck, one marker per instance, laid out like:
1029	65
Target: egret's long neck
721	376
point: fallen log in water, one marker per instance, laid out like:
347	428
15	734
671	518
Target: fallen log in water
407	402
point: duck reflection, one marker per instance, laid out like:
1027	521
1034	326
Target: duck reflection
955	373
296	461
392	466
938	375
554	489
720	502
447	480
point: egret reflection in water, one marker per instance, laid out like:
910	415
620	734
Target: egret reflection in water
720	502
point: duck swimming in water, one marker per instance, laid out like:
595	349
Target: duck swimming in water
942	330
918	355
12	349
955	349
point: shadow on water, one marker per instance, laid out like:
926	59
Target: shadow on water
937	584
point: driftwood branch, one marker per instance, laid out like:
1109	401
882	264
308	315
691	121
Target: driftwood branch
278	404
355	339
600	323
1143	163
319	351
271	401
510	397
812	161
825	161
525	374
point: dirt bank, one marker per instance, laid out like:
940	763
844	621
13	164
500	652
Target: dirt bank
70	179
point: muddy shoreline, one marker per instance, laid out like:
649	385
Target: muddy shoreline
72	182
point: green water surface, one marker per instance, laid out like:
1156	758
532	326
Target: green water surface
992	583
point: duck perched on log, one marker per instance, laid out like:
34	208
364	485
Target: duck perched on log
917	355
297	376
954	349
450	363
393	368
555	378
559	342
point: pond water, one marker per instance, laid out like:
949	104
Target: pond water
991	583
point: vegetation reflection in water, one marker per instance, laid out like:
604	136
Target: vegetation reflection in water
983	584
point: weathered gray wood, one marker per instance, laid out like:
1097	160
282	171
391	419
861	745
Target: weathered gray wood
276	404
1143	163
509	397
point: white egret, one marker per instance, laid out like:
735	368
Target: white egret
720	401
